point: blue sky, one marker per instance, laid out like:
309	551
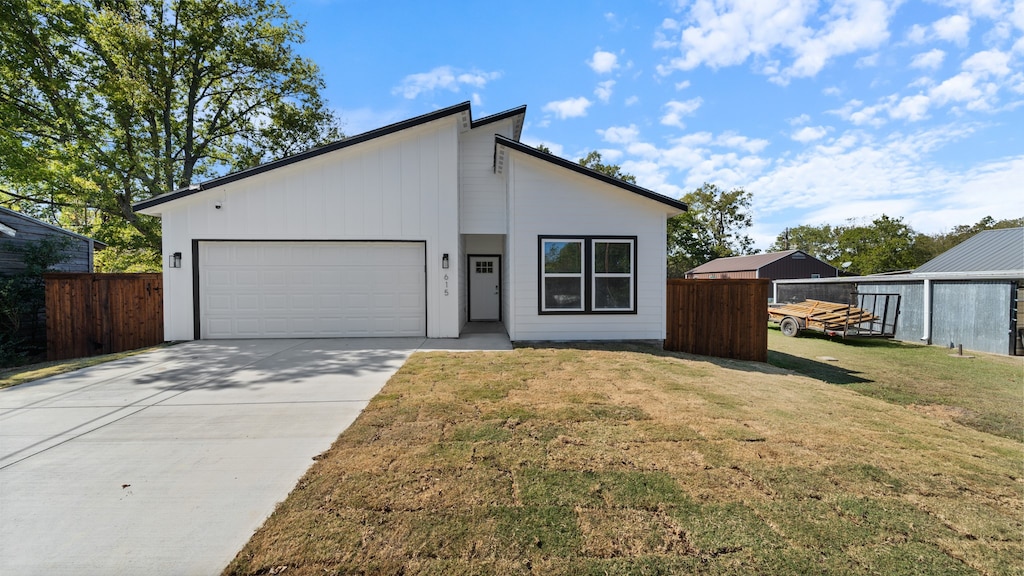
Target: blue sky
823	111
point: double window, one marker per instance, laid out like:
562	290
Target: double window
582	274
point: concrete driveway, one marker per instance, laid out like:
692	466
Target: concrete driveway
166	462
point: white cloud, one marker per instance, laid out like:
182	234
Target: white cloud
676	110
955	28
734	140
809	134
930	60
568	108
632	100
987	63
799	120
604	90
1017	16
728	32
603	62
442	78
917	34
620	134
869	61
682	85
912	108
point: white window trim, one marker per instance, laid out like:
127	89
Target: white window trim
580	275
630	275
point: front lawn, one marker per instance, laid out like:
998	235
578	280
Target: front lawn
626	460
983	391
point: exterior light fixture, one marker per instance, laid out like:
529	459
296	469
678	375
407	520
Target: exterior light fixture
175	260
444	261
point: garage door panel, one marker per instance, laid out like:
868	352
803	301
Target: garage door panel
311	289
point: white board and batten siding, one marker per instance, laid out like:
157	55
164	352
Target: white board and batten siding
402	187
483	201
546	200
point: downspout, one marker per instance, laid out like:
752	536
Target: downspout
926	337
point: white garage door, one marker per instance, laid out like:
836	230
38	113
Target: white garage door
311	289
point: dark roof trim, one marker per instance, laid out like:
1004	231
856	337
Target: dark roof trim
575	167
50	226
517	129
357	139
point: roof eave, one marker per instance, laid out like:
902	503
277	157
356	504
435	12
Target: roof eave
145	206
676	205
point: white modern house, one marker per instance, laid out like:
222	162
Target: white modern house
415	229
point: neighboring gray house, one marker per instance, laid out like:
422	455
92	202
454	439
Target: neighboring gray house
17	230
968	295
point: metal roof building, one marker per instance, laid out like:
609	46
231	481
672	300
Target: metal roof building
968	295
772	265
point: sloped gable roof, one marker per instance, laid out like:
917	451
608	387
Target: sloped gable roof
989	251
743	263
466	123
11	214
500	140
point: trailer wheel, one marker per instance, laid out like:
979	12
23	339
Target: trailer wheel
789	326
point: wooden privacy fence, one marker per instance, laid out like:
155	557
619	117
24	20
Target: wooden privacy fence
726	318
91	314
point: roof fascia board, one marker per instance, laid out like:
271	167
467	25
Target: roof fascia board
48	225
288	160
500	140
517	127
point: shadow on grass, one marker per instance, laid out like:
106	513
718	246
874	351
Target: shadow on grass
828	373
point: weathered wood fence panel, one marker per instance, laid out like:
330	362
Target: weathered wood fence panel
91	314
727	318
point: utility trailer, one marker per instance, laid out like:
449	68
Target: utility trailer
875	315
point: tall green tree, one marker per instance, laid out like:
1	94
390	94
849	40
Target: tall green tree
885	244
819	241
593	161
714	227
107	102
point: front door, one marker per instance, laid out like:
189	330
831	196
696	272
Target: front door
484	288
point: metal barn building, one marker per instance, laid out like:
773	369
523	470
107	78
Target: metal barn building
968	296
772	265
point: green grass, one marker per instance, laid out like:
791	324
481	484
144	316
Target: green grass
985	392
626	460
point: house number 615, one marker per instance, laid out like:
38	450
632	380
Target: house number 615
445	284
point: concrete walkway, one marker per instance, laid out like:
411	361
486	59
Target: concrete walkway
166	462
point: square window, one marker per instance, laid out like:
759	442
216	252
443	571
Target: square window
563	257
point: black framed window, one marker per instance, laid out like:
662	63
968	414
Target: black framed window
587	274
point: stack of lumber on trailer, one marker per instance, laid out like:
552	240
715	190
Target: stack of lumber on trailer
829	315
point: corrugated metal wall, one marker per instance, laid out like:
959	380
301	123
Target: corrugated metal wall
910	326
975	314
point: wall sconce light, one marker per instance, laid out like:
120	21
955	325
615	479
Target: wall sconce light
217	205
444	261
175	260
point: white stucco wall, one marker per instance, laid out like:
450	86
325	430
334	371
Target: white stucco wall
547	200
402	186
